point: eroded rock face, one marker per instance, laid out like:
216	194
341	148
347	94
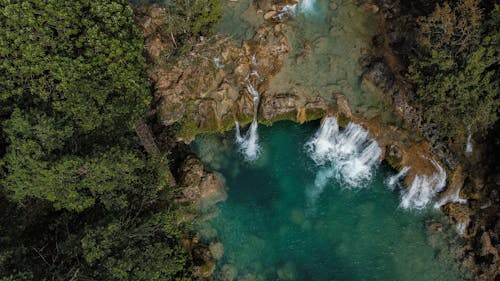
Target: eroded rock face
205	89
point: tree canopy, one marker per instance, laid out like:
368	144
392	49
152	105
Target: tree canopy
82	199
455	70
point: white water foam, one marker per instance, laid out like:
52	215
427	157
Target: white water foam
348	155
249	144
423	189
285	12
393	180
307	6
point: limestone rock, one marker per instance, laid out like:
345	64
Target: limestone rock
277	105
270	15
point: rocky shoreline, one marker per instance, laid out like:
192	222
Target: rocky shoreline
204	91
473	174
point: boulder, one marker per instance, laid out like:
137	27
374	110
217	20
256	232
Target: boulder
201	187
270	15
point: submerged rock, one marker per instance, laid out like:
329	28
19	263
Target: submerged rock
217	250
287	272
201	187
229	272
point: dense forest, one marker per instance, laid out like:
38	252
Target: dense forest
82	199
454	67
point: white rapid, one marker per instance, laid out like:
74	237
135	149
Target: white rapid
349	155
423	189
393	180
249	144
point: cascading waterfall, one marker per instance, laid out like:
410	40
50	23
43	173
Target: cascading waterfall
469	145
249	144
254	60
349	155
393	180
461	227
218	63
423	189
256	74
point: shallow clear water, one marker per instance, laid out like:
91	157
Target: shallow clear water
327	41
272	230
240	19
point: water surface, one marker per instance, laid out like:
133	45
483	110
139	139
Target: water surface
273	228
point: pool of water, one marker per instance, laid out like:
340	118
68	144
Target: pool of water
275	225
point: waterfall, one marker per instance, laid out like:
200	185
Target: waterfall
423	189
254	60
393	180
307	6
349	155
256	74
218	63
461	227
249	144
469	145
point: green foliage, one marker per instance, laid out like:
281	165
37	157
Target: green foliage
193	17
456	70
73	84
80	61
80	198
139	250
187	20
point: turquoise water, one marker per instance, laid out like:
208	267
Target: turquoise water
271	229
